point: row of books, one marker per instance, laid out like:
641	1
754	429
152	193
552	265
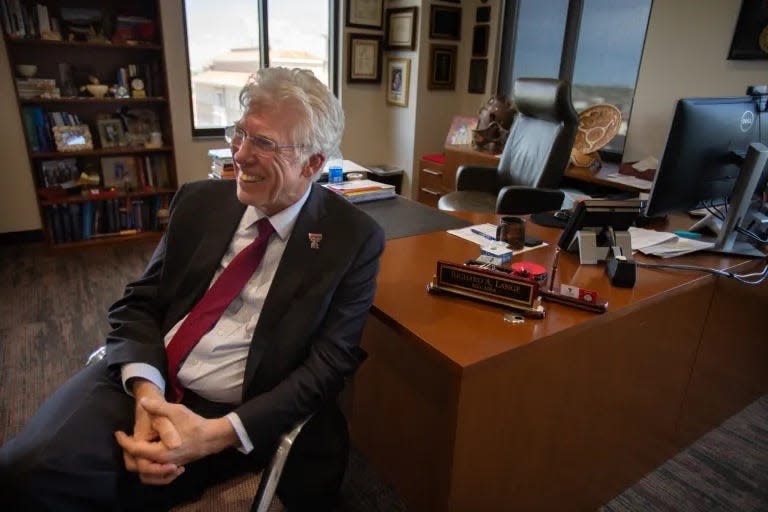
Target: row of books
21	19
222	165
360	191
38	123
37	88
74	222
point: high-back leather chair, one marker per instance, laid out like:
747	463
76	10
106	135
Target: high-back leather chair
534	159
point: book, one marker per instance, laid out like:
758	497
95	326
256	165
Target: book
359	191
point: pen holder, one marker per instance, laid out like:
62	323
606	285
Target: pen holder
512	231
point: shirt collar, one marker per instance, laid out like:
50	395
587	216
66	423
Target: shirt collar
282	221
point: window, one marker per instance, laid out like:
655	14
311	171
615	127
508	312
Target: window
225	48
594	44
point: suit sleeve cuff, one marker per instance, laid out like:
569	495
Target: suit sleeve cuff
141	371
245	442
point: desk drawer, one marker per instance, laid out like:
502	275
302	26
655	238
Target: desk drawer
431	178
429	196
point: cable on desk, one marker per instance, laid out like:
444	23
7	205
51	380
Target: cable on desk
751	278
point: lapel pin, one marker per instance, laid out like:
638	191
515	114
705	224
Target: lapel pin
314	240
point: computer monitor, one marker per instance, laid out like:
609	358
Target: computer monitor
706	153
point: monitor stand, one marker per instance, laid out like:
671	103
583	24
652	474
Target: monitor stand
726	243
590	252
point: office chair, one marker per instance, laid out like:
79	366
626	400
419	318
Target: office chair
534	159
237	494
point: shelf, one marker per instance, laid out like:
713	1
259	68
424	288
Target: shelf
107	196
110	238
91	101
67	44
99	152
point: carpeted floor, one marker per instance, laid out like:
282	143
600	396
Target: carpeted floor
53	313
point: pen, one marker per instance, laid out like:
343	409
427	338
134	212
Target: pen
484	235
554	268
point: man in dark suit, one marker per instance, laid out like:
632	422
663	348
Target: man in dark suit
198	385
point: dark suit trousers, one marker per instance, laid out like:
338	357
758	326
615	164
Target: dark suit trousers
66	458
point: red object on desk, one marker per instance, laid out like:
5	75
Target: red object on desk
438	158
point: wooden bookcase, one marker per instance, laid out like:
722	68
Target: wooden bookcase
136	171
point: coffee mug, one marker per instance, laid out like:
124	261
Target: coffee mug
512	231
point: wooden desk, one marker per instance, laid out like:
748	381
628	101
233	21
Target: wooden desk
462	411
600	176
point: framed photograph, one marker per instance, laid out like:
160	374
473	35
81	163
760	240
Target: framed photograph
119	172
477	72
401	28
364	64
480	40
750	37
111	133
72	138
460	133
398	81
442	67
58	172
365	13
483	14
445	22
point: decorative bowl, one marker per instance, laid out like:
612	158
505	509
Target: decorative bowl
26	70
97	90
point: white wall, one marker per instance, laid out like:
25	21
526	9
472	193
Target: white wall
685	55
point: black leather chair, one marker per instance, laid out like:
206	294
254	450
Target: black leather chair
534	159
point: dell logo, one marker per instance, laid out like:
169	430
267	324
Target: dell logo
747	120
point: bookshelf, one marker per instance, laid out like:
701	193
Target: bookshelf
102	158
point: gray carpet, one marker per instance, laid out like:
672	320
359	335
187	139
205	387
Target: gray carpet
53	312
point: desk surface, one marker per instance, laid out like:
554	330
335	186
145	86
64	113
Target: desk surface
600	177
445	323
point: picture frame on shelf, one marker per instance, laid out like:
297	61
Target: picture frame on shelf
398	81
364	62
750	37
445	22
401	28
460	133
365	13
478	69
72	138
442	67
119	172
480	34
111	133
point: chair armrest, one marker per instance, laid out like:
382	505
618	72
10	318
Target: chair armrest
270	477
519	200
476	177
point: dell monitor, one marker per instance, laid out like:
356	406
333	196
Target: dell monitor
706	154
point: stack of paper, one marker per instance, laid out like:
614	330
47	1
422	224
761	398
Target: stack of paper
664	245
359	191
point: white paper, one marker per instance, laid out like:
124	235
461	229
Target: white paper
649	162
485	235
642	238
630	180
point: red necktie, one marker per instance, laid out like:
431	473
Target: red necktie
209	309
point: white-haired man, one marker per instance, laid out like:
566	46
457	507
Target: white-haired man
246	320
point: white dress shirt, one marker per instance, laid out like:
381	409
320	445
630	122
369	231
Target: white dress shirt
215	367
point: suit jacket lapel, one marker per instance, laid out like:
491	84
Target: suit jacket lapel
296	265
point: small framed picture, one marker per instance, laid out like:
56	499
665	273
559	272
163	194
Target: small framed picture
477	71
401	28
364	63
442	67
445	22
480	40
398	81
72	138
119	172
365	13
111	133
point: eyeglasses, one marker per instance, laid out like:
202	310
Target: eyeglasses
235	136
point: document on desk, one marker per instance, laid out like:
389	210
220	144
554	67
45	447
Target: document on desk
664	245
485	234
630	180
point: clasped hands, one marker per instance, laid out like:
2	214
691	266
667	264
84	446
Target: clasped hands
167	436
